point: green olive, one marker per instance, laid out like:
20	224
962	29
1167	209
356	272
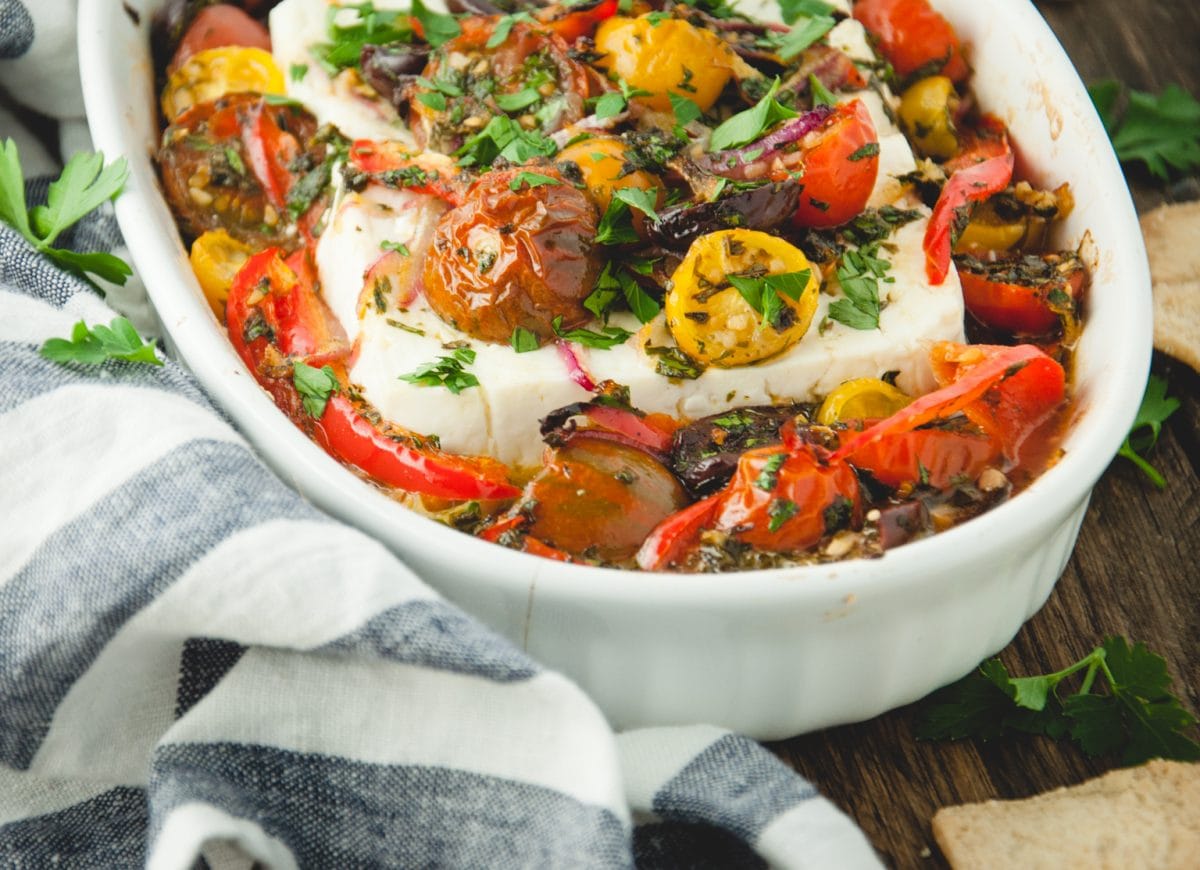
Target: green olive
927	111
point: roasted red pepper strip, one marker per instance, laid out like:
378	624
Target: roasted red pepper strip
392	164
351	437
936	457
1008	391
529	544
677	534
986	170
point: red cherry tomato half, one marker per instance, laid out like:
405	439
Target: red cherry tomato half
912	36
789	506
1025	295
841	161
423	172
675	536
216	27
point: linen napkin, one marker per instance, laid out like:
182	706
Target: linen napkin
200	669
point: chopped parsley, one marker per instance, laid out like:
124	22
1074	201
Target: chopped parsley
764	294
522	340
744	127
503	137
298	71
437	27
446	371
768	478
871	149
608	336
822	96
370	26
793	9
859	273
673	362
806	31
614	102
531	179
504	27
399	247
315	386
780	510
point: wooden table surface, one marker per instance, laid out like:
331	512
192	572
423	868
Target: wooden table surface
1134	572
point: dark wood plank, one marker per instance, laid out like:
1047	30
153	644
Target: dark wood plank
1135	570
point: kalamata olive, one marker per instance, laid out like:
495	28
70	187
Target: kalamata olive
759	208
390	69
900	523
705	453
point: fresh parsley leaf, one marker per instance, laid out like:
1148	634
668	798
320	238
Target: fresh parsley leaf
673	362
608	336
780	510
1163	131
85	184
522	340
503	137
504	27
609	105
684	108
399	247
1135	716
763	294
806	31
859	273
446	371
744	127
642	200
1155	409
616	224
518	100
433	100
793	9
368	26
531	179
315	386
436	26
768	478
616	281
298	71
118	340
822	96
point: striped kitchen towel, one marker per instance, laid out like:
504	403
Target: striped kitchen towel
198	668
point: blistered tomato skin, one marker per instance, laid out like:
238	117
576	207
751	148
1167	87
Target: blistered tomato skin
841	163
224	165
913	36
474	83
670	56
711	320
510	258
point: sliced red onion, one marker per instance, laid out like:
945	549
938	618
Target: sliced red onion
575	369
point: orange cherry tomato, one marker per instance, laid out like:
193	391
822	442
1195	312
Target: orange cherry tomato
841	161
913	36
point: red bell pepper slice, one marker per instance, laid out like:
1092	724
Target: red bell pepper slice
979	172
573	23
936	457
1008	391
677	534
351	437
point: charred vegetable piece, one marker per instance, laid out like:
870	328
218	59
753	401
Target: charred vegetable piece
393	69
527	76
1026	295
228	164
599	499
705	453
1014	219
761	207
518	253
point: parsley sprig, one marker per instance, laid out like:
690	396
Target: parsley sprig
765	294
315	386
118	340
859	273
1160	131
745	127
1156	407
1135	716
85	184
446	371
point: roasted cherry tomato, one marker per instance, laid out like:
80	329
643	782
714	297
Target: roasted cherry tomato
216	72
913	37
840	164
216	258
665	56
528	77
604	166
600	499
226	164
514	254
932	457
927	111
784	501
1026	294
275	319
714	321
219	26
576	20
391	164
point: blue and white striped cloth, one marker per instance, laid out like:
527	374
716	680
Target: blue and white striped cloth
199	669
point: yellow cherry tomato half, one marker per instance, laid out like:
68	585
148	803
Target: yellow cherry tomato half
927	112
603	163
215	72
216	257
708	308
667	56
861	399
